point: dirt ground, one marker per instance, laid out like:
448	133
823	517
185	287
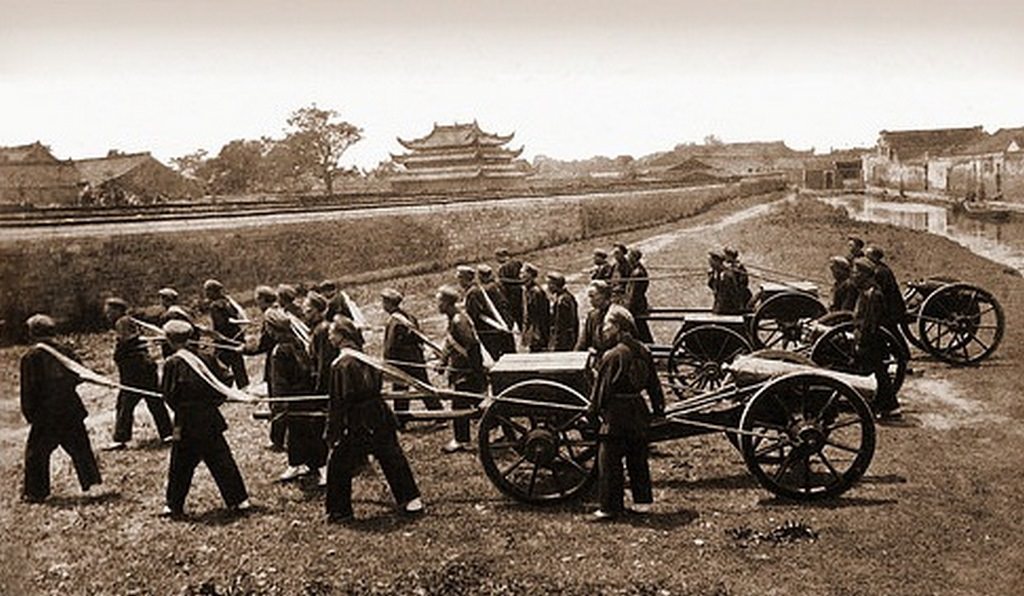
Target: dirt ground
937	513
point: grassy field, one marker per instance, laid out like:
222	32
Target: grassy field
938	511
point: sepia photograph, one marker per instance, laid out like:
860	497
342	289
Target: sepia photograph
573	297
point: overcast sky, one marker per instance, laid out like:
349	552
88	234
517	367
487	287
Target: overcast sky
572	79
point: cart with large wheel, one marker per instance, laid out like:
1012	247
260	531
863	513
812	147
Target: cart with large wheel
705	342
804	433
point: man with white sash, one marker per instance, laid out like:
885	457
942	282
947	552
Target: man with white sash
54	410
194	387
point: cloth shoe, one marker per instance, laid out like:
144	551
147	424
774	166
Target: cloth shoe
641	508
115	446
454	446
602	515
291	473
321	474
414	506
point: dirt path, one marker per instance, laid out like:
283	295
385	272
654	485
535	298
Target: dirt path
937	513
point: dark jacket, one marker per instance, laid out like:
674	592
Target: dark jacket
221	313
591	337
536	317
400	343
624	371
892	297
462	351
323	354
135	367
291	374
355	403
48	395
867	318
193	401
636	291
730	299
565	322
844	296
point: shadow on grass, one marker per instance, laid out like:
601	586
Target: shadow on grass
836	503
741	481
223	517
152	445
383	522
662	520
70	502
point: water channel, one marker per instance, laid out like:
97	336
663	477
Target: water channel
999	241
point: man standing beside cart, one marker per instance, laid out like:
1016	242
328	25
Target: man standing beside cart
463	359
624	371
869	343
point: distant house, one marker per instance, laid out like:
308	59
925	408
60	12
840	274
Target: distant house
837	170
121	178
730	160
902	157
31	175
992	167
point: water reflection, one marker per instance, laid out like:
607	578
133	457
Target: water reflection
1001	241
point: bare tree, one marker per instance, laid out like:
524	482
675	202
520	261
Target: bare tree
319	138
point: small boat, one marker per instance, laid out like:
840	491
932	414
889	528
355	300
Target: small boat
982	211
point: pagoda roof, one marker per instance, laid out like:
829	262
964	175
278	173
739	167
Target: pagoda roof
492	153
455	135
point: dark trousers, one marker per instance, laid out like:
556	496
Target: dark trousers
43	439
349	454
214	451
871	359
234	361
416	372
306	444
125	419
610	479
278	424
461	425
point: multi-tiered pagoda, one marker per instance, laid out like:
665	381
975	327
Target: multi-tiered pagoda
459	157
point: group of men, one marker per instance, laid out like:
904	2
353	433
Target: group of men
327	398
864	284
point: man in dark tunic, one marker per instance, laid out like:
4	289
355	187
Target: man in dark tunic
601	268
360	423
463	359
487	308
225	314
321	349
869	343
854	247
624	371
266	298
291	374
739	271
599	293
536	312
511	284
565	318
198	425
723	282
52	407
336	303
636	295
403	345
135	368
286	297
895	305
844	293
620	273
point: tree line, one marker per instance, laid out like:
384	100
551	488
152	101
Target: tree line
306	158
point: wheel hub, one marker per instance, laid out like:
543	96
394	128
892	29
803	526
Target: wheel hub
809	435
541	446
710	371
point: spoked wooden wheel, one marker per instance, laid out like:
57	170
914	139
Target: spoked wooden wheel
539	453
696	362
807	436
914	297
835	351
961	324
782	321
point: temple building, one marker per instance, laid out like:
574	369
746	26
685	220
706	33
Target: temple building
459	157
